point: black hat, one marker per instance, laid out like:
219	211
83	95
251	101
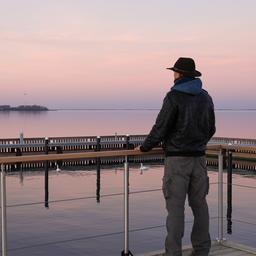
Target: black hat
185	66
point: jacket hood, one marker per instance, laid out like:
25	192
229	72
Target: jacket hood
188	85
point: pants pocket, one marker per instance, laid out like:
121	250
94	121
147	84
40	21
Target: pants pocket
166	187
207	185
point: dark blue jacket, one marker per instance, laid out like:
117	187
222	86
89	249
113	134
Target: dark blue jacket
186	121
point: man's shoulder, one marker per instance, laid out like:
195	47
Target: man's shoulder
172	94
171	97
206	94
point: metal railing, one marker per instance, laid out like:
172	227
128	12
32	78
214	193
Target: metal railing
87	142
102	154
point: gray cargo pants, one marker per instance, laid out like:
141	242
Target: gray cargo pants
182	176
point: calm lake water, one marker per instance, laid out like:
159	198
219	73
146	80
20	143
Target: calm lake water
86	227
75	223
100	122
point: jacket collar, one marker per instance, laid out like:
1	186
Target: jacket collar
189	85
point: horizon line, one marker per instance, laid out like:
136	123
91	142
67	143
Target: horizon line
134	109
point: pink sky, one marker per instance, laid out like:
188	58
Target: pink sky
114	53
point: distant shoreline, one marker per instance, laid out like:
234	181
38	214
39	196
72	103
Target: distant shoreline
23	108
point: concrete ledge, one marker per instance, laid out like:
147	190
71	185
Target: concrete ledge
154	253
186	249
241	247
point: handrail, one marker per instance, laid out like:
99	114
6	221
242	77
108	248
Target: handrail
92	154
114	153
70	156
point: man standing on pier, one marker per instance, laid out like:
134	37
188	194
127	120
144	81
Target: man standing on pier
184	125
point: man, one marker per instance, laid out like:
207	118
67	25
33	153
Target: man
184	125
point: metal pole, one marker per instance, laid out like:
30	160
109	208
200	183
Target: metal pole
126	206
127	141
224	153
220	197
46	176
98	171
3	212
229	193
126	251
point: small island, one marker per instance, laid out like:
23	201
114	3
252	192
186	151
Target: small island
23	108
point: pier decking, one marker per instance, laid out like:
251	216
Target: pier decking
226	248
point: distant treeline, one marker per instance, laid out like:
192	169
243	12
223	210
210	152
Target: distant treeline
23	108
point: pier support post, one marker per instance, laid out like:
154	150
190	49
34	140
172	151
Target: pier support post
126	251
220	197
3	211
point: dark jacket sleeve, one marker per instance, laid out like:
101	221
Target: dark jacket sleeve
160	128
212	127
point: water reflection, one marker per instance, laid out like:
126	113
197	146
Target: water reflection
98	181
21	176
143	168
74	212
46	185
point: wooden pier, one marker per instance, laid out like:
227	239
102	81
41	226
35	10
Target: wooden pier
87	143
29	146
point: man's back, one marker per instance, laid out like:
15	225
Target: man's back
186	121
193	125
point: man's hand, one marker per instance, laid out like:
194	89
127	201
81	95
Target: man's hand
141	149
137	148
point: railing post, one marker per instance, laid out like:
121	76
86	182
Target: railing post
126	251
98	147
224	153
220	197
229	193
46	176
3	211
127	141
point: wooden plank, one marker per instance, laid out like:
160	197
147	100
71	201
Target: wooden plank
70	156
84	155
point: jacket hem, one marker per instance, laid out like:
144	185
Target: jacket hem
180	153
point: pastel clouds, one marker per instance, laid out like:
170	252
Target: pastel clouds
69	54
